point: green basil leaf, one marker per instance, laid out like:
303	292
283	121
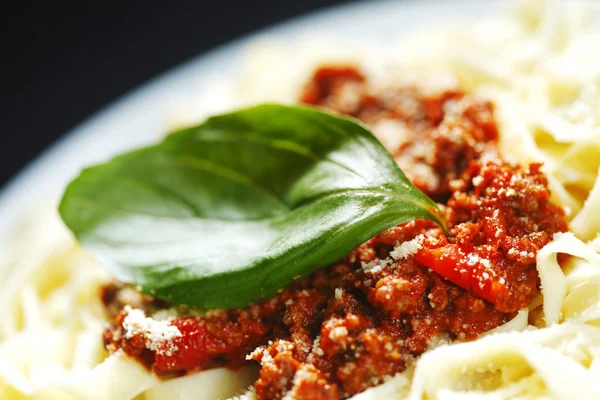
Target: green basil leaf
230	211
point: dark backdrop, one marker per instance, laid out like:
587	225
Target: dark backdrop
61	61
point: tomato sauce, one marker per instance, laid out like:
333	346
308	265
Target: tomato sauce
354	324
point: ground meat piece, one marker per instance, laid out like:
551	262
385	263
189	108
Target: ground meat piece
329	85
282	374
351	325
433	135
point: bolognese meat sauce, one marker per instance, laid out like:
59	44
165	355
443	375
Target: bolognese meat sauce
365	318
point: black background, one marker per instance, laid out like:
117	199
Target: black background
61	61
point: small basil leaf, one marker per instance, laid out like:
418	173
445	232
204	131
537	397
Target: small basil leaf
230	211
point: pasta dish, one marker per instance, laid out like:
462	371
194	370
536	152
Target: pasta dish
418	221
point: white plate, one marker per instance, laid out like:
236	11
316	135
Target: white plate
141	116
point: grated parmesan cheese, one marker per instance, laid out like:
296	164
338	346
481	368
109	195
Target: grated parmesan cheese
339	332
474	259
400	252
316	349
376	266
338	293
159	335
407	249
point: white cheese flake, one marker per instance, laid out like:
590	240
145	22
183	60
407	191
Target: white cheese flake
408	248
158	335
477	180
400	252
337	333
